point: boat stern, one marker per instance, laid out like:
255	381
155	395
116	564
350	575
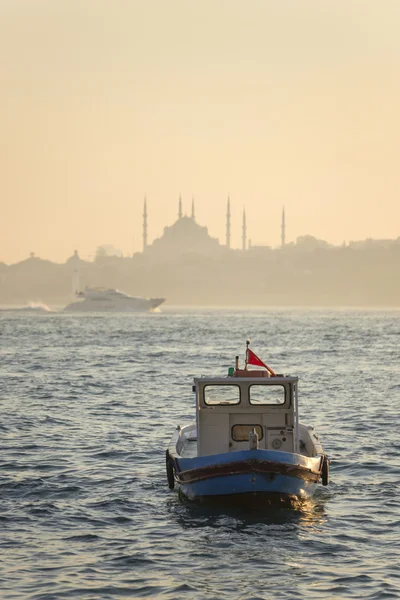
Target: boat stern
275	474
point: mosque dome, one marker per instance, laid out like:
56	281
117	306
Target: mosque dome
184	236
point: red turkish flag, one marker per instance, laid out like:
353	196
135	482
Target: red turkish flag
252	359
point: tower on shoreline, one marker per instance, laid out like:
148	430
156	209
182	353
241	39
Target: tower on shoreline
180	208
75	276
228	224
283	228
193	216
145	224
244	234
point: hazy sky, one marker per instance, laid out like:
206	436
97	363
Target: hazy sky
273	102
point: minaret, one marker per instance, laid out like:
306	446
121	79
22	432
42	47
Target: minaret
145	224
228	224
193	217
283	226
244	231
180	208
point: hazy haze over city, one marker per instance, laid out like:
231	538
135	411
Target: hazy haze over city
272	103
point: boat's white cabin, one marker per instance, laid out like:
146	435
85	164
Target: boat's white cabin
228	408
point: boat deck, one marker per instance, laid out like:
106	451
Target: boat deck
190	449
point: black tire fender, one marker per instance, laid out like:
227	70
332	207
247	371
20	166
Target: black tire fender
170	471
325	471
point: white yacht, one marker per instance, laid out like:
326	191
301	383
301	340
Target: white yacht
99	299
96	299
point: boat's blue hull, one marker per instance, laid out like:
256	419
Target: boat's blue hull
250	472
251	483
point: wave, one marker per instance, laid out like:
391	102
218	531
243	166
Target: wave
31	307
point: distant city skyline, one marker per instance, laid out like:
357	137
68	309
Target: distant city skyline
244	240
272	104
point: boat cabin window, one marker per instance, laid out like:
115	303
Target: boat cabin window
221	394
240	433
266	394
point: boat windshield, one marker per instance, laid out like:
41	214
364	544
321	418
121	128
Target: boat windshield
221	394
267	394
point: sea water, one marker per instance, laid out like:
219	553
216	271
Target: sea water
88	404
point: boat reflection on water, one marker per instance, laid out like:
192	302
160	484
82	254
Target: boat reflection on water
306	513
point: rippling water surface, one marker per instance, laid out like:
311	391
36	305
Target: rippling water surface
88	404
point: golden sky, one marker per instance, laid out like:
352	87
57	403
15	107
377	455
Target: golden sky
289	102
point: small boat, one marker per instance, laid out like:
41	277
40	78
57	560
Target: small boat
247	443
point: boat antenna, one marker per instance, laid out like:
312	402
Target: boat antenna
247	353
